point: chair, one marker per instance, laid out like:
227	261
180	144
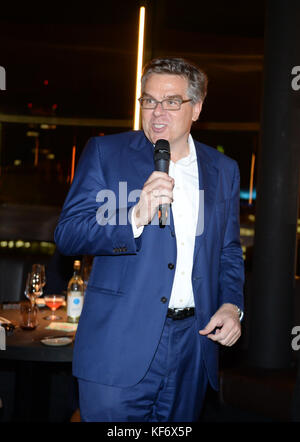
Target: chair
11	278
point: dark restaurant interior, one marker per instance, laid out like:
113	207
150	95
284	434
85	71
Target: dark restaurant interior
69	81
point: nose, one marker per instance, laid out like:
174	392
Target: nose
158	109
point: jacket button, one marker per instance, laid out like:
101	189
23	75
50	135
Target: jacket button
171	266
163	299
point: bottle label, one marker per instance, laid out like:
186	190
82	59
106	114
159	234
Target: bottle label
75	303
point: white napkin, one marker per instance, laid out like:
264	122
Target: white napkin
62	326
2	338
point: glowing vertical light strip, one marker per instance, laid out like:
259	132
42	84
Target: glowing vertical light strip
73	163
36	151
251	179
136	123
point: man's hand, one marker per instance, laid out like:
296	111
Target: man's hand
226	324
158	189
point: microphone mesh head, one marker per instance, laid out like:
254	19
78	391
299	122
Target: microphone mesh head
162	145
162	155
162	150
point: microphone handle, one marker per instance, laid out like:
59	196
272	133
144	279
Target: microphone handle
163	209
163	212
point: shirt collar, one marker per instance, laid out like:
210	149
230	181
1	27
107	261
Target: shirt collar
186	161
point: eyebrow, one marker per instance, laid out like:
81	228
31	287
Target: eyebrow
165	98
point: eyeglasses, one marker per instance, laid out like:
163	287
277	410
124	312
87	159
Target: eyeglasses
167	104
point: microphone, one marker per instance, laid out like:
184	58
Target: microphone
162	161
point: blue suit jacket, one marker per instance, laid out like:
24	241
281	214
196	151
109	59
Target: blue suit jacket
124	313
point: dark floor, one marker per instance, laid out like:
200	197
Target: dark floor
249	394
217	411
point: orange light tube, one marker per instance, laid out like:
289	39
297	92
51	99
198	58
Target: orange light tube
36	152
251	179
73	163
136	123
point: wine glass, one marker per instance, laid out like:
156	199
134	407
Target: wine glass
33	288
39	271
53	302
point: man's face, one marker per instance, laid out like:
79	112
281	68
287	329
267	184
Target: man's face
173	126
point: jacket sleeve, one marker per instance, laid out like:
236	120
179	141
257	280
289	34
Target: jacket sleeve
83	227
231	276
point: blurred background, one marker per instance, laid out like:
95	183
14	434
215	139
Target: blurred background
71	74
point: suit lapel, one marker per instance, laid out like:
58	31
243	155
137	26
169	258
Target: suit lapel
139	160
208	179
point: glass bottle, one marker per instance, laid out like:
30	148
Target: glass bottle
75	294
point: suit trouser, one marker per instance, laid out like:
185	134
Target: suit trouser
173	388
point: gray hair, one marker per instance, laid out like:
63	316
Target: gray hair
197	79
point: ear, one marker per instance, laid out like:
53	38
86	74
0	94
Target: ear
197	107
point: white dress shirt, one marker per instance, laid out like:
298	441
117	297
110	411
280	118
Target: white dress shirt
185	213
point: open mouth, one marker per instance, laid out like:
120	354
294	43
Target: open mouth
157	126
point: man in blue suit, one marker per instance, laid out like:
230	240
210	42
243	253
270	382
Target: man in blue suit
159	300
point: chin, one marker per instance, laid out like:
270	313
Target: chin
157	137
153	137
